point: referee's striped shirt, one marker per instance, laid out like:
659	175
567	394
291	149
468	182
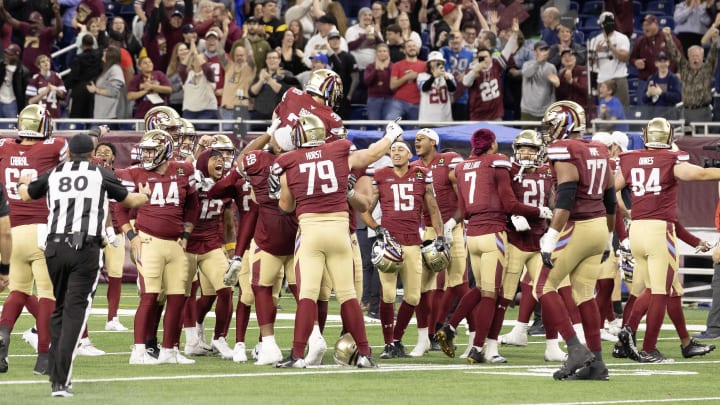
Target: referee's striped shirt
78	193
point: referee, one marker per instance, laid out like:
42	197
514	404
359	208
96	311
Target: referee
78	193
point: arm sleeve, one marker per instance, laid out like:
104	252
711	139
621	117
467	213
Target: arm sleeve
686	236
39	187
4	205
247	229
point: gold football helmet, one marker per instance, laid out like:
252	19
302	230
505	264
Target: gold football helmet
658	134
225	146
164	118
561	119
432	259
326	84
528	138
187	138
34	121
309	131
160	143
387	257
346	351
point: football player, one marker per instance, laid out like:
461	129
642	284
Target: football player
404	193
314	185
481	181
163	228
35	152
235	187
653	175
579	234
435	305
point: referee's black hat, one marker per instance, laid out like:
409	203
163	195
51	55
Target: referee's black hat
81	144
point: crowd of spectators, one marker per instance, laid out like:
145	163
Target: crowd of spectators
491	59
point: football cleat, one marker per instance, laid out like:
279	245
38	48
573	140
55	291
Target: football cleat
115	325
471	338
653	357
152	349
434	344
197	349
270	354
366	362
627	339
388	352
537	328
256	350
607	336
290	362
596	371
4	343
445	337
239	354
30	337
141	356
696	348
614	326
222	347
517	337
399	349
173	356
422	346
578	356
490	351
475	356
41	364
619	351
708	334
316	349
86	348
554	353
61	390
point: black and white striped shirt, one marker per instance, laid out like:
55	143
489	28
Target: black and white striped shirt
77	194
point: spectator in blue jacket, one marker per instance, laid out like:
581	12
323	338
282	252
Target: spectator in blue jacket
663	88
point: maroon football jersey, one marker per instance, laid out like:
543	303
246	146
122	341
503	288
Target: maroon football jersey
209	231
296	102
15	161
531	189
445	195
36	44
650	176
274	232
234	186
173	201
593	165
486	195
486	100
38	83
401	201
218	71
317	177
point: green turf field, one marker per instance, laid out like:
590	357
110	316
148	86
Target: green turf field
433	379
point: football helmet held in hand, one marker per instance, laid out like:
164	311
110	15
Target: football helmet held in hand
387	256
346	351
434	259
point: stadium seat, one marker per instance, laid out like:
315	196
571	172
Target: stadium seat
593	7
588	24
666	21
634	99
575	6
637	8
667	7
633	85
579	37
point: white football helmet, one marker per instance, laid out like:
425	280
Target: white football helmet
187	138
432	259
387	256
160	143
225	146
561	119
326	84
532	139
346	351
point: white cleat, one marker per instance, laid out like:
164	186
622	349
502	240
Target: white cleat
172	356
239	355
30	337
86	348
422	347
607	336
115	325
222	347
141	356
516	337
197	349
491	352
269	354
316	349
614	326
469	347
554	354
256	350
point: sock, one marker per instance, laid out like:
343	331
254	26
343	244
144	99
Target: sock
639	309
294	290
146	308
527	303
32	304
171	322
12	308
498	318
46	307
675	311
617	307
591	324
628	308
603	299
113	296
387	321
555	313
655	316
304	320
353	319
242	318
484	315
572	308
190	308
153	322
423	309
203	305
264	306
405	313
465	307
223	312
322	314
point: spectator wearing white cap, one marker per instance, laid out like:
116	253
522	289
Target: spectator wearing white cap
436	86
621	140
609	53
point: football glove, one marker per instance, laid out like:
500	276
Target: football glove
352	179
273	126
393	132
705	246
627	264
448	230
520	223
547	246
233	271
380	233
112	239
546	213
608	248
625	244
274	186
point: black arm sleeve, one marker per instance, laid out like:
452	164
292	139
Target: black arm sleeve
610	200
428	84
566	195
4	205
39	187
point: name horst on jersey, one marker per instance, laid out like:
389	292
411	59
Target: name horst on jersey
18	161
313	154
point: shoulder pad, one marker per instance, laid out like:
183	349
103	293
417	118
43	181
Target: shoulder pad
501	163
